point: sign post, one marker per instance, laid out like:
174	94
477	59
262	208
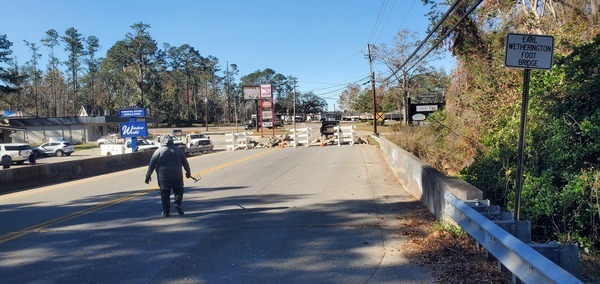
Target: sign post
133	128
266	102
528	52
252	93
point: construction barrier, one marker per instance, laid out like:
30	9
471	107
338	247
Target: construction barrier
237	141
301	136
344	134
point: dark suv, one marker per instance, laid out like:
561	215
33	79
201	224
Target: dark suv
328	127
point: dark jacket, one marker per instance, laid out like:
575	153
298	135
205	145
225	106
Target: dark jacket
168	161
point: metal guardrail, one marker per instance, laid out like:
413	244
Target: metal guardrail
521	260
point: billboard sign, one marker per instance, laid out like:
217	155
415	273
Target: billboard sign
529	51
251	92
133	129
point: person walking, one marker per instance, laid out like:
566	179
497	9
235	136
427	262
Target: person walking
168	161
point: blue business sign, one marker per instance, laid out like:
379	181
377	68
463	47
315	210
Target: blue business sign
132	112
134	129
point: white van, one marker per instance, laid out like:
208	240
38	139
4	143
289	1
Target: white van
18	152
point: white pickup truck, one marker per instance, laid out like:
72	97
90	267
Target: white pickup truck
190	144
123	148
110	139
197	143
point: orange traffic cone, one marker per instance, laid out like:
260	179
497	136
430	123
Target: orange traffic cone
322	142
282	144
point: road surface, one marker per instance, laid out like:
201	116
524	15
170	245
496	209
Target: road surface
293	215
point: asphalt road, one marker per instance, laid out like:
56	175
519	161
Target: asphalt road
293	215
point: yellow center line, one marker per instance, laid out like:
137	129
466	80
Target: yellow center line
38	227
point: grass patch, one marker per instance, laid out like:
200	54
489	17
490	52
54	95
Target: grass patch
85	146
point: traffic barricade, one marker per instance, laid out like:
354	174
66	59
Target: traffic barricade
301	136
344	134
237	141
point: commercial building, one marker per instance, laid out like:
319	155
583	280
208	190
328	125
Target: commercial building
81	129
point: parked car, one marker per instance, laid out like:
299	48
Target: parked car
17	152
59	149
251	124
112	138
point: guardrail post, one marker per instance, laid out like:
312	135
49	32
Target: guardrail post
569	258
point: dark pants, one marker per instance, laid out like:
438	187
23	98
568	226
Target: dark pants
165	192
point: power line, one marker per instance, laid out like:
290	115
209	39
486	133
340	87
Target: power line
434	30
431	33
340	83
341	88
407	13
434	46
386	20
346	59
383	4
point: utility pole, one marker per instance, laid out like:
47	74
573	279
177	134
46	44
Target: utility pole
227	94
206	107
294	118
373	90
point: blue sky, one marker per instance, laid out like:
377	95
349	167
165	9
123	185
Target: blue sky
322	43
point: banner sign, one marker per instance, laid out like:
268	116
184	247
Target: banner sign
133	129
132	112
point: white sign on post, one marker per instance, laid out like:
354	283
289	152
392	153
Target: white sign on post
427	108
529	51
